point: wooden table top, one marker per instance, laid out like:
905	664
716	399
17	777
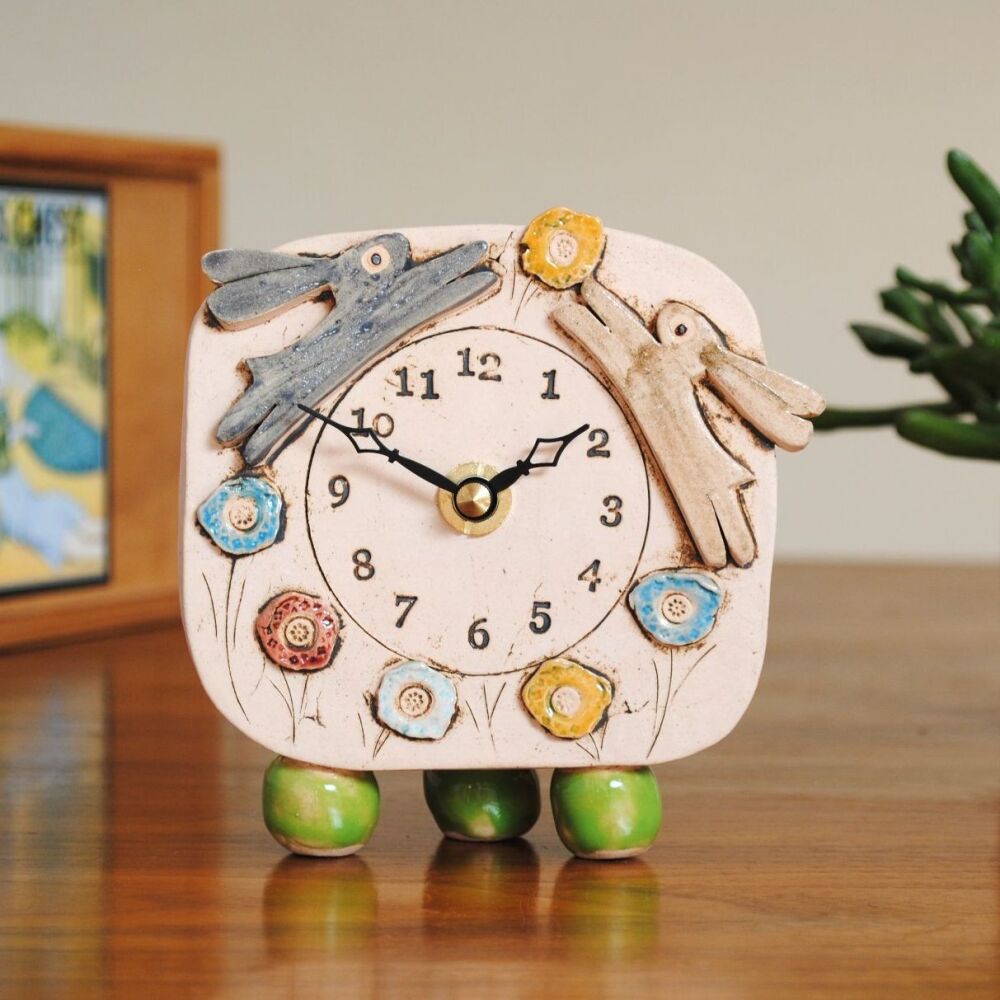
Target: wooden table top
842	842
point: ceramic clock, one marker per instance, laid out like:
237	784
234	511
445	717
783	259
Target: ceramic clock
476	500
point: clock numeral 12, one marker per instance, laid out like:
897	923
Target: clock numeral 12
590	577
489	361
404	383
409	601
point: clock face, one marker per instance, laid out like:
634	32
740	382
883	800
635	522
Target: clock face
528	580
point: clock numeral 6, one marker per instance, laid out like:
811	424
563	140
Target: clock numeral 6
363	567
613	518
382	424
479	638
490	364
589	575
600	438
540	621
409	601
340	490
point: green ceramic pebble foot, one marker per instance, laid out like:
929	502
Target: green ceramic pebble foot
605	813
319	811
483	805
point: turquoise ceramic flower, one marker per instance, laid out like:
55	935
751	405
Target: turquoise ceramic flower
416	701
244	515
676	607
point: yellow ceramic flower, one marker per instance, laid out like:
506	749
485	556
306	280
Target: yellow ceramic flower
567	699
562	247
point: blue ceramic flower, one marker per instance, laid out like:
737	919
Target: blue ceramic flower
244	515
417	701
676	607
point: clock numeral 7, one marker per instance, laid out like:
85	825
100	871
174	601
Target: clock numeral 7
363	566
540	621
404	383
479	638
490	363
589	575
409	601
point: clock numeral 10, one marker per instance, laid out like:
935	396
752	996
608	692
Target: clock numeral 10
363	567
404	383
613	517
382	424
409	601
541	621
490	363
479	638
589	575
550	385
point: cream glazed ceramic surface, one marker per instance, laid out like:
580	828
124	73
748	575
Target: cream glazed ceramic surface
302	556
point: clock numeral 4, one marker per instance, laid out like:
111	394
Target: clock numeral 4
589	575
340	490
479	638
489	362
364	569
599	437
613	517
550	385
382	424
409	601
404	383
541	621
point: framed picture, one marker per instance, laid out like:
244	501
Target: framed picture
100	243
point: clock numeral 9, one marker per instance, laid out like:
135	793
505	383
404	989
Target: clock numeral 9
589	575
404	383
409	601
340	490
479	638
600	438
489	361
613	518
382	424
540	621
363	567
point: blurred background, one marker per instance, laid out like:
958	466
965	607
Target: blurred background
799	146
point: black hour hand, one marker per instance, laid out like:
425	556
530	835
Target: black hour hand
502	480
361	436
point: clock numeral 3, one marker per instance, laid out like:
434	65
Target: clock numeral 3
540	621
479	638
382	424
340	490
490	363
363	567
404	383
613	518
589	575
550	385
409	601
600	438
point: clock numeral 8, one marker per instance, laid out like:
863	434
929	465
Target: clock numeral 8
613	518
540	621
479	638
363	567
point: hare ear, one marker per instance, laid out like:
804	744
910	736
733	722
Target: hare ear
773	403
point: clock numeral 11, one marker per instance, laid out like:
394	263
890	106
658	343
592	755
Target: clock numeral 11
589	575
404	383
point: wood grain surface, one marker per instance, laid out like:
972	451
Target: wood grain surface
841	843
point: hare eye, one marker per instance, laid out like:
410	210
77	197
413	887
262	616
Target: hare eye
680	329
376	259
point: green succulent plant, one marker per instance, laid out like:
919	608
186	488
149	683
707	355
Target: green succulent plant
953	336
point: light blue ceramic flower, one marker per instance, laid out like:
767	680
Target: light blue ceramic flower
417	701
244	515
676	607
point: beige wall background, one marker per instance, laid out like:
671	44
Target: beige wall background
798	145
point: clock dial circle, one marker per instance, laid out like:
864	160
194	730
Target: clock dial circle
571	534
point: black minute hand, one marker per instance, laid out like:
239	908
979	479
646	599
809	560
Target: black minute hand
367	433
502	480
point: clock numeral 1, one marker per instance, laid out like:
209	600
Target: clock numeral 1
404	384
613	517
363	567
340	490
590	577
490	363
550	385
600	438
382	424
540	621
479	638
409	601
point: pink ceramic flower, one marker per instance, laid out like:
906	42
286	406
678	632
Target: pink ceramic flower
298	631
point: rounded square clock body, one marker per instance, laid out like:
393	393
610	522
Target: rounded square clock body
480	496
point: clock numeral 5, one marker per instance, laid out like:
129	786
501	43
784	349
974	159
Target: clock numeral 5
613	518
490	363
409	601
363	567
382	424
479	638
589	575
404	383
540	621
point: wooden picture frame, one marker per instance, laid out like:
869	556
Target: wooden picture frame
163	215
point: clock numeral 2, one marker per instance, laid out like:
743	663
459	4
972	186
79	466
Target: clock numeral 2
409	601
382	424
404	383
540	621
590	577
613	518
479	638
340	490
363	567
600	438
490	363
550	385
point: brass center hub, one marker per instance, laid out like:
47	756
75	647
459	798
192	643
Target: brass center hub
473	509
474	499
